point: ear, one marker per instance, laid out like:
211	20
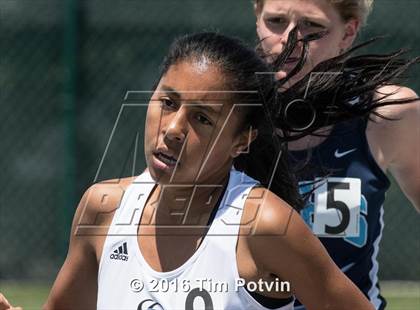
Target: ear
244	140
351	29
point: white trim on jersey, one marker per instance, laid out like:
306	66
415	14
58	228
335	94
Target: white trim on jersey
373	274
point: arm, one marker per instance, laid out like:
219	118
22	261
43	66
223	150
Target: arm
297	256
396	144
76	284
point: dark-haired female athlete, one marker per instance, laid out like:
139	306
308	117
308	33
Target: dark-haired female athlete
191	232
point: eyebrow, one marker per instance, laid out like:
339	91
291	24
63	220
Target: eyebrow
212	108
284	14
172	91
276	13
209	108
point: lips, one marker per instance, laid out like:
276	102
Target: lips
164	159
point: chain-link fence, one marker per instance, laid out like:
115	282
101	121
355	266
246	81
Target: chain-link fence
65	69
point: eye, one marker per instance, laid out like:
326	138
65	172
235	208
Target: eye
276	20
204	120
167	104
312	24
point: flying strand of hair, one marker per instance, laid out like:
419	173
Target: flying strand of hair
339	89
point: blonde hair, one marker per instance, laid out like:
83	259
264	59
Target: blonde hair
348	9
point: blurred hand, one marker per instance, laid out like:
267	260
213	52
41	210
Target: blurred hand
5	305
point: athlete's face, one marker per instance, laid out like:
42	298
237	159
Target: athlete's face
276	18
191	136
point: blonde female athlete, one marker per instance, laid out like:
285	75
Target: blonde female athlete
345	209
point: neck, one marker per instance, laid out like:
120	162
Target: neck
186	204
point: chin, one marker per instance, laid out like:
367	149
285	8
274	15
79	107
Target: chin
159	177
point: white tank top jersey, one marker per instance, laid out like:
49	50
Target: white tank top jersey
208	280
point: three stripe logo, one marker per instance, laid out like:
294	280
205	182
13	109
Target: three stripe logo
121	253
122	249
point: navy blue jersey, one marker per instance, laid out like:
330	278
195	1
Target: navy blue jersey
345	204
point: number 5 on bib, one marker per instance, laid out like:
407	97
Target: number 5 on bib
337	207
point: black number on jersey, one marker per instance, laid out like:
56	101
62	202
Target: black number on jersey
189	302
338	205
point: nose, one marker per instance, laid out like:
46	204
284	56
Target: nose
285	37
177	128
286	32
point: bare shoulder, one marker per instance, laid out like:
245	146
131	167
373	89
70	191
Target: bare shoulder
395	111
396	91
270	213
389	137
76	283
95	212
264	223
101	199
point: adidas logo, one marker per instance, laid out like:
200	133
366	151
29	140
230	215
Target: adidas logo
121	253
